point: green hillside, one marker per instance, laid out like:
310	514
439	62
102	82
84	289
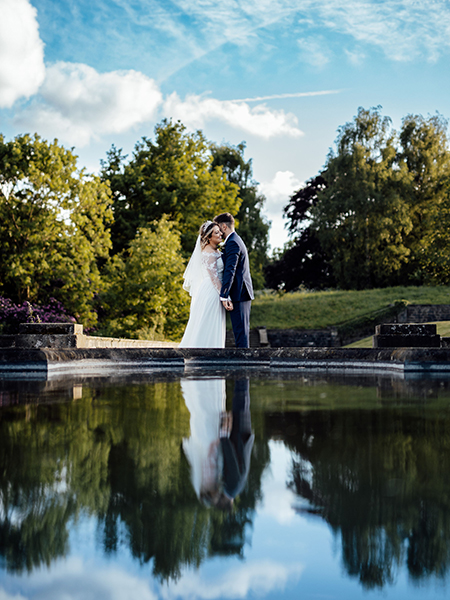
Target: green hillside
318	310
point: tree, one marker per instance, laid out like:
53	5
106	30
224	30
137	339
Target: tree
377	214
302	261
425	152
253	227
145	297
362	218
383	216
171	176
54	222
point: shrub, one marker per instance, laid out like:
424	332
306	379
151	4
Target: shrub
11	315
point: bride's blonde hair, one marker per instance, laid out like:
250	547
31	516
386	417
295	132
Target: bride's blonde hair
205	233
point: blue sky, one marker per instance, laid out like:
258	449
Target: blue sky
282	75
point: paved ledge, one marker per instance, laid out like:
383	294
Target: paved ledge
26	362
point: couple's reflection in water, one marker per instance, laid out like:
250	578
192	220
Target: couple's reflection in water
220	444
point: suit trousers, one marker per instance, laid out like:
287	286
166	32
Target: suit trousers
240	320
237	448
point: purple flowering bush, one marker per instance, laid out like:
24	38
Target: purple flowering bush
11	315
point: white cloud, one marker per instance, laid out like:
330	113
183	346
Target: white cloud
22	68
75	579
355	57
261	121
277	193
284	96
401	29
235	21
5	596
278	499
255	577
279	190
77	103
314	51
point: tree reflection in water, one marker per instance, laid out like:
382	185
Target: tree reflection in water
114	454
377	475
379	478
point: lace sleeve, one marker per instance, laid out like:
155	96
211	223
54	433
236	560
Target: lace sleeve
209	259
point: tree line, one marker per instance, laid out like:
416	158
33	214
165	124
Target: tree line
112	247
377	214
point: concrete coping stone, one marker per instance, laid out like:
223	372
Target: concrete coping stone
406	329
144	360
51	328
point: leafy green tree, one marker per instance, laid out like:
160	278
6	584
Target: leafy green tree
377	214
425	152
145	296
54	222
302	262
170	176
362	218
253	227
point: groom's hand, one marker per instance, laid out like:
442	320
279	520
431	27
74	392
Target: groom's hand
227	304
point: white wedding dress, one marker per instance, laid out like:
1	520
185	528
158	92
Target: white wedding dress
206	325
205	399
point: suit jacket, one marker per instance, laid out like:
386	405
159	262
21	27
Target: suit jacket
236	463
236	281
237	448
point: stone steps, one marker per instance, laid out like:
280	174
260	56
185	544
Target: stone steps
406	335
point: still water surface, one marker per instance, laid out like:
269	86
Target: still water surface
208	488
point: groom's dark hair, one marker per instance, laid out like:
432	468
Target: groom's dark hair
225	218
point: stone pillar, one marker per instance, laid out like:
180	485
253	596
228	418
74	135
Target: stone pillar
46	335
406	335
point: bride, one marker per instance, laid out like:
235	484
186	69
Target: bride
203	280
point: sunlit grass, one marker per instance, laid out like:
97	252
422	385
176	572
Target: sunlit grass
318	310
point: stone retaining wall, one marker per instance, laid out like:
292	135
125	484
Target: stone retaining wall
296	338
424	313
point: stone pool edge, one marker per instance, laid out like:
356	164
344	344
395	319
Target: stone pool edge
106	360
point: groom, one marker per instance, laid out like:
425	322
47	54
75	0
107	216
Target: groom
237	288
237	445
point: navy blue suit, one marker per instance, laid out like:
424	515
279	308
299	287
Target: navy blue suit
237	448
237	285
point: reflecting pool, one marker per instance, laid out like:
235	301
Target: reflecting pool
227	486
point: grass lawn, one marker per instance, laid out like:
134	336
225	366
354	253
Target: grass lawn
318	310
